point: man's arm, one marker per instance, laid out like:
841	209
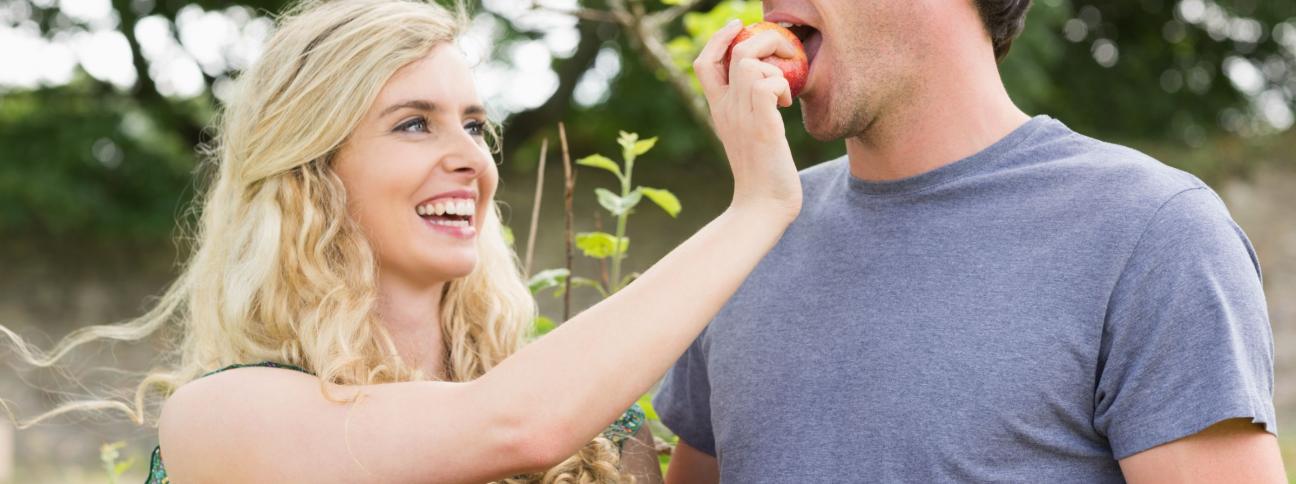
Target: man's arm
1230	451
691	466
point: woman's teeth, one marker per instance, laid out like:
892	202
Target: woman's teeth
461	207
451	223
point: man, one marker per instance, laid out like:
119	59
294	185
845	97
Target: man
972	294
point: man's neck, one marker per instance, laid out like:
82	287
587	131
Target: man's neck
411	313
958	110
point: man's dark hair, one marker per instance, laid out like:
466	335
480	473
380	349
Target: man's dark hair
1004	20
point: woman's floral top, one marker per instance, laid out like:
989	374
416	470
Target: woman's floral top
620	431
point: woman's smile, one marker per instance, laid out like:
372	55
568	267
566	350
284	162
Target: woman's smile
451	213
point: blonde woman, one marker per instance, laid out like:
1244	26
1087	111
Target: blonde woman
352	313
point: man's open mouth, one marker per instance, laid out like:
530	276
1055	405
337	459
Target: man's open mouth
810	37
450	212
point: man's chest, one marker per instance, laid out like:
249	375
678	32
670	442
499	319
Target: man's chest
990	342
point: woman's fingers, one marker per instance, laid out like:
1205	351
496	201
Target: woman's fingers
709	65
744	107
769	70
744	72
762	45
746	66
777	83
759	81
775	87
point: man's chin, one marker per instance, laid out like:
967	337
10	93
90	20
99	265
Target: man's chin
824	124
820	127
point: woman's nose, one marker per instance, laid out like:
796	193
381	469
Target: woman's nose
467	158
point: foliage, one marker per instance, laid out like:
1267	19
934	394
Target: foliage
108	455
611	247
700	26
1134	71
76	161
1155	69
606	246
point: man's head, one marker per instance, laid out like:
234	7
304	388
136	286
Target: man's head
869	56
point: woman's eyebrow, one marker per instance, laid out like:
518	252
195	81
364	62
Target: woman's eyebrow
418	104
430	107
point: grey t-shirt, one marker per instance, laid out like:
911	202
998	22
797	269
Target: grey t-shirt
1032	313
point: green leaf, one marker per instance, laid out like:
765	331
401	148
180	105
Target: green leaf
587	282
600	245
618	205
548	279
627	142
122	467
645	402
671	2
108	452
627	139
542	326
600	161
641	147
664	199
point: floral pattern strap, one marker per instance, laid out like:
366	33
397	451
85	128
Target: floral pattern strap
627	426
157	474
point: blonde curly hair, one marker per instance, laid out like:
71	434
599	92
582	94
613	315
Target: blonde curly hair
280	271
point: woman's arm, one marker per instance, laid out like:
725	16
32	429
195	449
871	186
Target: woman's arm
532	411
542	404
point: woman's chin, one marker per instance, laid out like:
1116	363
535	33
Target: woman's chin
450	268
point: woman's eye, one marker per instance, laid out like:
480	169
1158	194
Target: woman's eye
415	125
475	128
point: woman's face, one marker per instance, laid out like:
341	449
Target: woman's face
418	174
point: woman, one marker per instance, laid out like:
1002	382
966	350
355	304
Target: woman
350	241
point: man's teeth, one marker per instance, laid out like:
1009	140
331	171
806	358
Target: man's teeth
461	207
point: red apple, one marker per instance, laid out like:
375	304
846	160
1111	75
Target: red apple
795	69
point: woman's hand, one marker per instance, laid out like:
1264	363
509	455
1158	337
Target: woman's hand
744	107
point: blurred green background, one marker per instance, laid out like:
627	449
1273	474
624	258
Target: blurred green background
103	101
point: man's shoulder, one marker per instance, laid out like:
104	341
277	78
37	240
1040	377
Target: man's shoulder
1107	171
825	172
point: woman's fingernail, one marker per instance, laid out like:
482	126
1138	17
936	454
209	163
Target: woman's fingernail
733	23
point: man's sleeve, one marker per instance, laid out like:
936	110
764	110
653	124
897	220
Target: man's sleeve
1186	342
684	400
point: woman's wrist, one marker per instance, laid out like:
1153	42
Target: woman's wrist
763	211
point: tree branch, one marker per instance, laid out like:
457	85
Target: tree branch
645	32
646	38
589	14
662	18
